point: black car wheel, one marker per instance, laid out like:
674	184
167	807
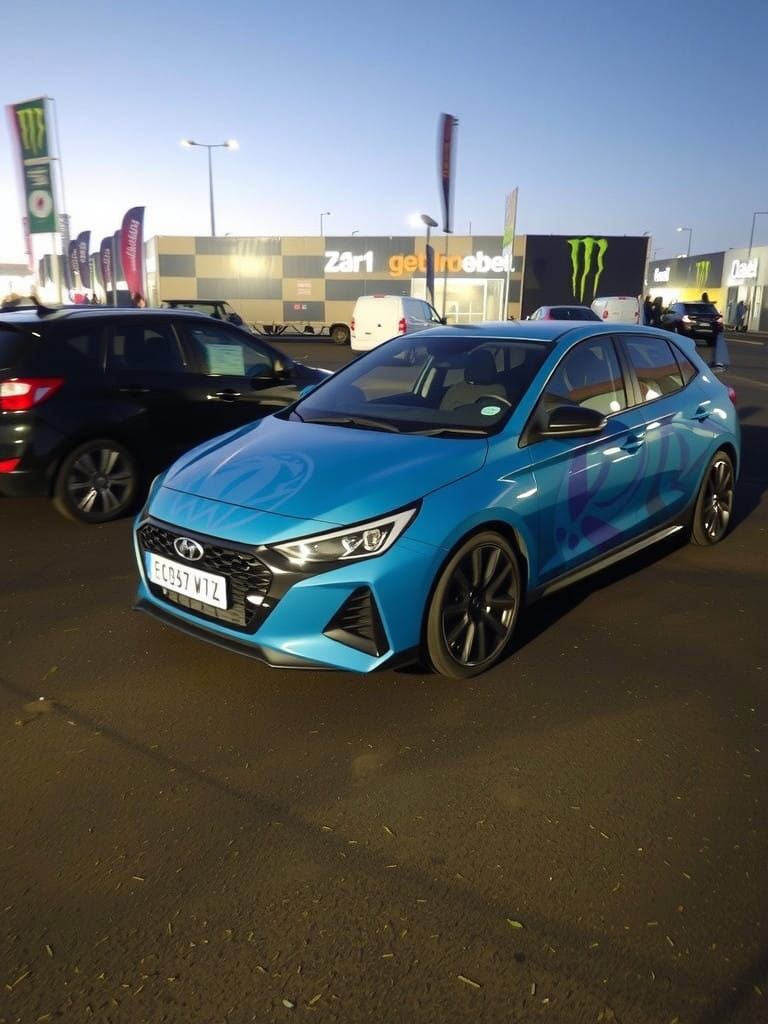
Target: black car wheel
714	505
340	334
98	481
474	607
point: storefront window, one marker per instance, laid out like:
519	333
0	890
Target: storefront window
466	301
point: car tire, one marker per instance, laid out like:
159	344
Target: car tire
713	512
474	605
340	334
97	482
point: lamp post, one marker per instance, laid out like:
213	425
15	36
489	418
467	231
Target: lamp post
326	214
429	223
755	215
229	144
690	235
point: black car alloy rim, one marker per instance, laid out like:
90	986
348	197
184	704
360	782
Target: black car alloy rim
718	499
479	606
99	481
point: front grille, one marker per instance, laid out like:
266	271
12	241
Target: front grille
358	624
244	572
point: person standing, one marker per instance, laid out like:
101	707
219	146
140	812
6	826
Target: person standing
741	315
138	300
657	311
647	311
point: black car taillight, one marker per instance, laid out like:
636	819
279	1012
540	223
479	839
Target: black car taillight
24	393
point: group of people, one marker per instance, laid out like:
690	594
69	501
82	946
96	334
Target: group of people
652	310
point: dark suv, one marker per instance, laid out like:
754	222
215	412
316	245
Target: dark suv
95	401
694	319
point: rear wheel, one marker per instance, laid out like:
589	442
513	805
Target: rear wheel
714	505
474	607
98	481
340	334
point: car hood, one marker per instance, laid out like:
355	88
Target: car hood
312	471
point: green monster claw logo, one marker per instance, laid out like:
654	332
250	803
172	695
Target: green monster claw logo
703	268
31	121
580	270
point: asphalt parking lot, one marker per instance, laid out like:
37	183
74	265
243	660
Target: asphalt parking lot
579	836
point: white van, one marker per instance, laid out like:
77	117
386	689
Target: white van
618	309
379	317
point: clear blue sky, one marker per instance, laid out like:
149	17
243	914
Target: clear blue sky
611	117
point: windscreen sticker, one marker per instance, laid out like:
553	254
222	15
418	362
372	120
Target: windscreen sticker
490	410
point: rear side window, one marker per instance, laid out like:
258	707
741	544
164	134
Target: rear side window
12	345
655	366
589	375
144	347
687	369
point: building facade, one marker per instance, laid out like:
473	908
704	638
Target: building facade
306	282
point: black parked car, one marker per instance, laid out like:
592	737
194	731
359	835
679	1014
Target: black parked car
694	319
94	401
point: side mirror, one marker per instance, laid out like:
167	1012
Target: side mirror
307	390
572	421
443	320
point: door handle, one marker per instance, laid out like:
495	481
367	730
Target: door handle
632	443
134	391
702	412
226	396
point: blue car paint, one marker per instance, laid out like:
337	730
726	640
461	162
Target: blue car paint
566	500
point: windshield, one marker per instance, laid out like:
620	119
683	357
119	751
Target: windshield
450	386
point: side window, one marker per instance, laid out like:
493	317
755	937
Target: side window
144	346
225	352
687	369
74	350
589	375
655	366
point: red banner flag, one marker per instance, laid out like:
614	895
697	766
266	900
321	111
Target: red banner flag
132	250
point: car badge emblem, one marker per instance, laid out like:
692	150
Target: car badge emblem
188	548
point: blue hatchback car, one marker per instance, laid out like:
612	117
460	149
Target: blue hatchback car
410	505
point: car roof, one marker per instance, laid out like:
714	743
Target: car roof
540	330
57	313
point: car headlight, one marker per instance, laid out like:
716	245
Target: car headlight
364	540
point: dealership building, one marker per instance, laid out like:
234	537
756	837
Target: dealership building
726	277
306	283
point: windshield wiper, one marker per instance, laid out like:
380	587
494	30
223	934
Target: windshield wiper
355	421
451	432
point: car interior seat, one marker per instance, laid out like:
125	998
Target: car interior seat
480	379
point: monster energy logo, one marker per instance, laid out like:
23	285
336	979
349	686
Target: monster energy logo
32	130
587	256
703	268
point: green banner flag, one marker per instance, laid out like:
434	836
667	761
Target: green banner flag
30	127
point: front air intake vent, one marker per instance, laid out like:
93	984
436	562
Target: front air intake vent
358	624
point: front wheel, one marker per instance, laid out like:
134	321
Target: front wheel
98	481
714	505
474	607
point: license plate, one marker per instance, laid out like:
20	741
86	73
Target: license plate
183	579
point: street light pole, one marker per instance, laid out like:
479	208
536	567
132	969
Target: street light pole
326	214
755	215
229	144
690	236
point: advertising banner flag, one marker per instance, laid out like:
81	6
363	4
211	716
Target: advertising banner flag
105	262
430	274
83	258
30	129
73	264
132	249
445	166
510	216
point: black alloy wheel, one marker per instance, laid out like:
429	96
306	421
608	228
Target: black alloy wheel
97	482
474	607
714	505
